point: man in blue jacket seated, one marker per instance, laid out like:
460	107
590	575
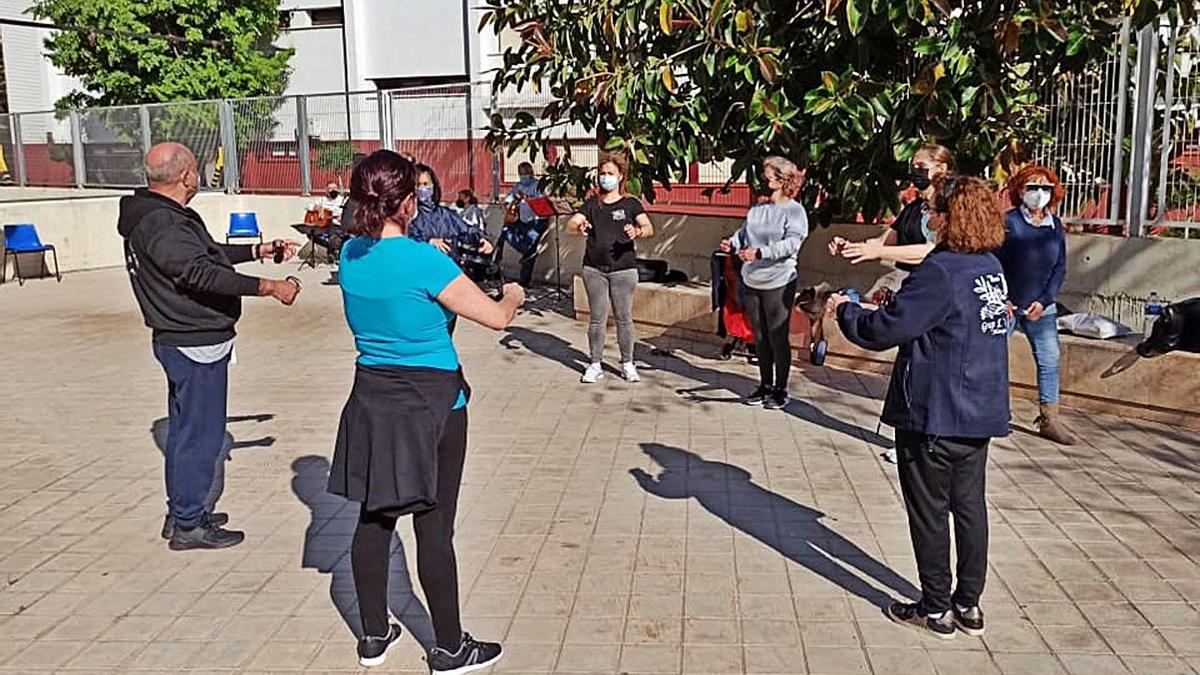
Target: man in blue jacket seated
948	397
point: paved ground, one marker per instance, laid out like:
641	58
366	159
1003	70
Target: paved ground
652	528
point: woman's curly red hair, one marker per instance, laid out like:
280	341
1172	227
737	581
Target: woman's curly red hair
971	220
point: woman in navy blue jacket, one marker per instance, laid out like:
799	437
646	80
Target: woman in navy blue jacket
440	225
1034	257
948	397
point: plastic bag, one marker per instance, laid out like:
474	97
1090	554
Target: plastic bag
1092	326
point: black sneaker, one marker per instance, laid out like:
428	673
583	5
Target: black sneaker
778	400
372	651
205	535
910	615
970	621
472	655
759	396
217	519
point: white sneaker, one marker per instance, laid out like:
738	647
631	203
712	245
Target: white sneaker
629	372
593	374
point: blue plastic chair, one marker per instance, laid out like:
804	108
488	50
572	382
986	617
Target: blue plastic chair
243	226
20	239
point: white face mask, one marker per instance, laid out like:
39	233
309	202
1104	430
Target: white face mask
1036	199
609	183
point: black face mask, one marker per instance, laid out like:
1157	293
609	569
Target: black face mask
333	194
460	204
919	179
764	189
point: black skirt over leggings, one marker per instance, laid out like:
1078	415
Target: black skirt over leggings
770	313
437	566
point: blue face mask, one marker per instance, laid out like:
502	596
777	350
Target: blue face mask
425	194
609	183
930	235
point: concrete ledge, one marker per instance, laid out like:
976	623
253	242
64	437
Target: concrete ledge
1097	375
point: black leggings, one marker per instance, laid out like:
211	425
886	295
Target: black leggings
770	313
436	563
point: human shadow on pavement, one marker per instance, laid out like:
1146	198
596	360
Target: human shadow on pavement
327	550
544	344
558	349
792	529
161	427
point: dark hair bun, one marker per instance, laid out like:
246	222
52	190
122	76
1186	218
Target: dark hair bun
379	185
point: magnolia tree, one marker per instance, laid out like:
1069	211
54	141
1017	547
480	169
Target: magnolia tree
848	88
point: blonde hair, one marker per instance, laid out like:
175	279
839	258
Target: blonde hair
938	153
789	174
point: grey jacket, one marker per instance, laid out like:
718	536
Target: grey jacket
777	230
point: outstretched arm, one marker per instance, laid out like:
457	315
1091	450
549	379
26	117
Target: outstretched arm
919	306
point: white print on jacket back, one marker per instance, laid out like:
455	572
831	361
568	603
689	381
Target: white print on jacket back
992	290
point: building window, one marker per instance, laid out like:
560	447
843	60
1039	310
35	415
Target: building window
326	16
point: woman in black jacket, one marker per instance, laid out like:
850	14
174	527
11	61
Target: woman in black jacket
947	399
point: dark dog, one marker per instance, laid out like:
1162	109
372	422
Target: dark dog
1177	328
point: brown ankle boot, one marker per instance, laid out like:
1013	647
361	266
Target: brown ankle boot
1050	425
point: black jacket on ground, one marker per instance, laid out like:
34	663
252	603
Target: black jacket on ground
184	281
950	322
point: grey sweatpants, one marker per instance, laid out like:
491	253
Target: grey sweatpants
605	291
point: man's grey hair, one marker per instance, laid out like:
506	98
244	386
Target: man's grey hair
165	162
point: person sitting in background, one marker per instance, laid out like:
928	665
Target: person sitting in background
440	225
332	202
947	398
527	231
1034	256
470	210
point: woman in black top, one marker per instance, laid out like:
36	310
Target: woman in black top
611	221
908	240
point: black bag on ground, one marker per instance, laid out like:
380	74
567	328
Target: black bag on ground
652	271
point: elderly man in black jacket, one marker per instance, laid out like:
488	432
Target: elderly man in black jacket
190	297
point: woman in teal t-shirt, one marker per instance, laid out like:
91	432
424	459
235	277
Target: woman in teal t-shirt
402	437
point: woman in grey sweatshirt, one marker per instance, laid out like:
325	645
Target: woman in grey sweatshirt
768	244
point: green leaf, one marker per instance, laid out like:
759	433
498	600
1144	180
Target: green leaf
855	16
719	7
664	16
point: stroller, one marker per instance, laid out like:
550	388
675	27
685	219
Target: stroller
732	321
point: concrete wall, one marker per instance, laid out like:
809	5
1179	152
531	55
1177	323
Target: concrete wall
84	231
1100	376
1106	275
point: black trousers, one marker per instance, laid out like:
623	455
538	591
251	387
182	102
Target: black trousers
940	477
771	313
437	566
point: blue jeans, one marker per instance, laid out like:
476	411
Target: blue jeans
1043	340
196	398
